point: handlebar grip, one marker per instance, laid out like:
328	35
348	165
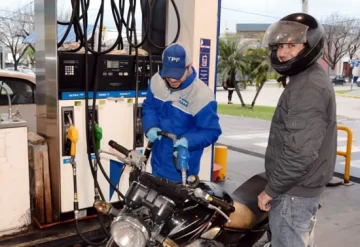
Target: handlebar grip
119	148
219	203
164	186
148	150
173	137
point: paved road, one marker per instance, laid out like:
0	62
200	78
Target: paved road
269	95
251	135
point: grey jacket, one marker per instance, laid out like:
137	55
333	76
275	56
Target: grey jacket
301	153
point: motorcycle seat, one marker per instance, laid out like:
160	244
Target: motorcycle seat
247	213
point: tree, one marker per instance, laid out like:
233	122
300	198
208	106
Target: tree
13	29
30	52
342	37
231	56
261	58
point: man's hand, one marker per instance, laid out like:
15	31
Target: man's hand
152	134
263	201
181	142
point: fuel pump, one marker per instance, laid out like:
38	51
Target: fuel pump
101	91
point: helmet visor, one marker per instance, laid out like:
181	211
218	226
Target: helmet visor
285	32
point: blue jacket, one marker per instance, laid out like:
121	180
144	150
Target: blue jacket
190	112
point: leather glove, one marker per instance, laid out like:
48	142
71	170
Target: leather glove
152	134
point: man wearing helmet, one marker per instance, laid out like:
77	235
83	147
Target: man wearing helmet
301	153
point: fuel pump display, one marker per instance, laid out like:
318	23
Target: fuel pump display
116	75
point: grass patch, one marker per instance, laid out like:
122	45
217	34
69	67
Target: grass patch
258	112
345	91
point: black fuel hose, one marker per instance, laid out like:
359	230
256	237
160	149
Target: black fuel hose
82	36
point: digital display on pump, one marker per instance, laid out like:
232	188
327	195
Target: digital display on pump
112	64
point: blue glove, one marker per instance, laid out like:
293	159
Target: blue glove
182	158
152	134
181	142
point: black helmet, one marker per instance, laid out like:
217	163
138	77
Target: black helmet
296	28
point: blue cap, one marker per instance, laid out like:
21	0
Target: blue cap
175	60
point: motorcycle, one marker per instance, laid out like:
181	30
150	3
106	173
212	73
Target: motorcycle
194	213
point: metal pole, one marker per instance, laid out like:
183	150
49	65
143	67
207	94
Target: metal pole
305	6
47	91
2	57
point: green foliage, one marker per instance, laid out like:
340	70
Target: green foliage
273	75
30	52
231	55
259	57
258	112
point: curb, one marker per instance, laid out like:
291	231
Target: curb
347	96
242	150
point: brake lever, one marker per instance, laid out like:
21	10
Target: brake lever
122	159
134	159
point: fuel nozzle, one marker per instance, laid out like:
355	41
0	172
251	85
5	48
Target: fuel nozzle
98	135
182	162
73	136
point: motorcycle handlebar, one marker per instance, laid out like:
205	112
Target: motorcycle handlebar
119	148
224	205
171	189
147	151
172	136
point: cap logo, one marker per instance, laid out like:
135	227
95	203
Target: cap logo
174	59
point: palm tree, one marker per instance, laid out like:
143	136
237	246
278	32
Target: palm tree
261	57
231	56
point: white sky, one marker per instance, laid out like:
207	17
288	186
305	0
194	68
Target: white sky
233	11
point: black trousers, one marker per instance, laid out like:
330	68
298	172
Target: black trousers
230	93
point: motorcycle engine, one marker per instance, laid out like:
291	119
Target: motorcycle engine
160	207
143	217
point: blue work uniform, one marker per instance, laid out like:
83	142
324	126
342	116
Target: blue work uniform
190	112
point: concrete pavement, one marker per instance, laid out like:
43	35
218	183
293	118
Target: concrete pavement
337	220
246	138
337	223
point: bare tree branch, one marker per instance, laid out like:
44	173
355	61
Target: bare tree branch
64	13
342	37
13	29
